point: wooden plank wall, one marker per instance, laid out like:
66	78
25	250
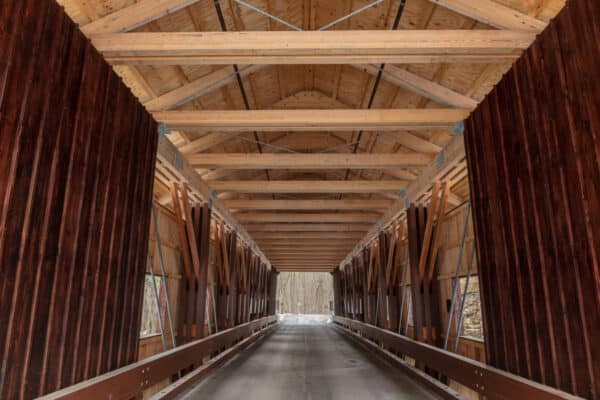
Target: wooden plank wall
77	154
533	148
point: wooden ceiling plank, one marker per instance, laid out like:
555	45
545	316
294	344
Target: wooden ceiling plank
494	14
311	120
298	186
311	47
134	16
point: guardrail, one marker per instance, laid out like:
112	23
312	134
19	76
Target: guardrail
129	381
488	381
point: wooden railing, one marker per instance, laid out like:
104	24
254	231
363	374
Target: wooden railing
129	382
491	382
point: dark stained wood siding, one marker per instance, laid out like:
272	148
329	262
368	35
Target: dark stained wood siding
77	155
533	148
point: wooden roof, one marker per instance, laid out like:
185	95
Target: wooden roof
343	202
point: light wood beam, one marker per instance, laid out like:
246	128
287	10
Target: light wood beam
307	204
305	257
291	249
305	269
308	263
494	14
401	174
304	244
307	235
416	143
312	217
134	16
308	227
330	242
199	87
312	120
206	142
424	87
313	47
309	161
308	186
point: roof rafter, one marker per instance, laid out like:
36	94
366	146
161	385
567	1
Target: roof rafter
134	16
494	14
199	87
421	86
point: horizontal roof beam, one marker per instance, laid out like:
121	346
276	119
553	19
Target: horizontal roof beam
306	242
305	269
244	161
307	204
318	250
312	120
307	235
308	186
307	227
313	47
265	217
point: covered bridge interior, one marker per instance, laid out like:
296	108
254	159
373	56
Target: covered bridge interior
172	170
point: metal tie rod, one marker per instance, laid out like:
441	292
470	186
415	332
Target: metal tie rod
455	285
164	274
296	28
160	320
353	13
266	14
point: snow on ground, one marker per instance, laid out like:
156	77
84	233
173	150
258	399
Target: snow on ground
304	319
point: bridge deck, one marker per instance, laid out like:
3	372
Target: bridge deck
302	362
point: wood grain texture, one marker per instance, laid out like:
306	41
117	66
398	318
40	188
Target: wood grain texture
533	148
77	154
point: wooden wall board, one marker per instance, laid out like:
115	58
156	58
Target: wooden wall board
77	168
533	150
